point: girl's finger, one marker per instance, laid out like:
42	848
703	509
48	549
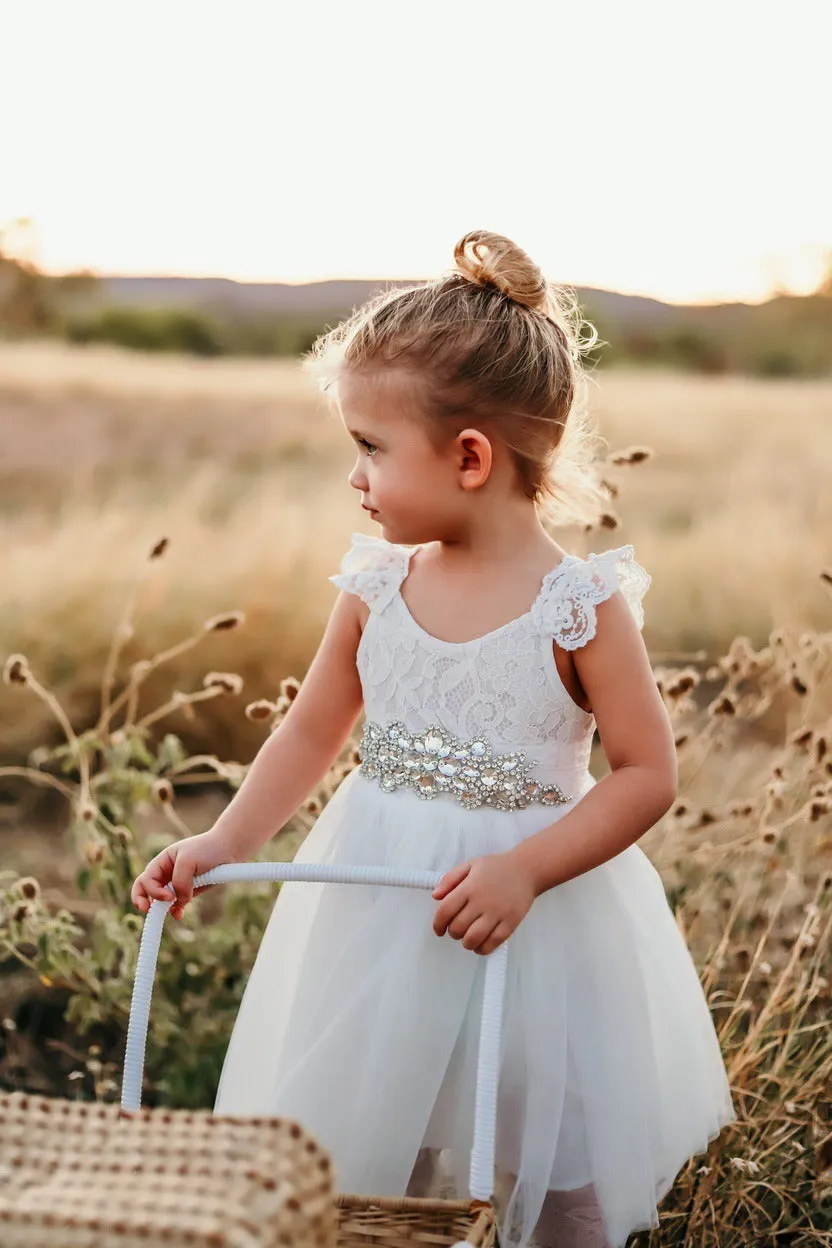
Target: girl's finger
447	910
496	938
479	932
468	915
450	880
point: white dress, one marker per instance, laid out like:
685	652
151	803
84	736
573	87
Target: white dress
361	1023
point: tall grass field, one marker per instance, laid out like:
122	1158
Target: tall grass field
168	528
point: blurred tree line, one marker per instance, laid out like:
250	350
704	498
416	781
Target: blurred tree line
788	335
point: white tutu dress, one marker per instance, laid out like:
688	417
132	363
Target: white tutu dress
361	1023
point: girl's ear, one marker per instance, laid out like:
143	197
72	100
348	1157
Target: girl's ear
474	457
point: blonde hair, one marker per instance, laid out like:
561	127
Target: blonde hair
493	344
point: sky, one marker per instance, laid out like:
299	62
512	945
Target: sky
665	149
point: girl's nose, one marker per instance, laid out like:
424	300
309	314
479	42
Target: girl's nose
357	479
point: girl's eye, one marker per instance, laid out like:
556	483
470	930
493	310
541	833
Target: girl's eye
368	445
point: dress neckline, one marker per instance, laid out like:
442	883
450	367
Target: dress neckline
493	632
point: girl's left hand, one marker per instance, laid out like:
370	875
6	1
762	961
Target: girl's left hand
483	901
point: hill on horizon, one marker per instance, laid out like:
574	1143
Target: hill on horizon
315	298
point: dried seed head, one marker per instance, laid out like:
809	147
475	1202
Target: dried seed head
159	549
222	623
681	740
741	810
87	811
261	709
799	684
289	688
769	836
94	851
826	575
122	835
633	455
821	747
609	488
609	520
683	682
163	790
679	810
16	670
29	887
801	738
706	816
741	650
313	806
22	911
742	955
228	682
725	704
819	807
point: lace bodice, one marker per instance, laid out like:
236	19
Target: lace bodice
503	685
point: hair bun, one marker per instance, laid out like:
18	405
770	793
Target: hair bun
494	260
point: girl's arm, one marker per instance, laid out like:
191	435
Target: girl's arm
288	765
637	738
483	900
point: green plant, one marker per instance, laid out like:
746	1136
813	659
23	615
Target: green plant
108	774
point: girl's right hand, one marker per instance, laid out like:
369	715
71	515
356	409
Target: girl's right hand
177	865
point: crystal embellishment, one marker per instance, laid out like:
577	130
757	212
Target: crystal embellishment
435	762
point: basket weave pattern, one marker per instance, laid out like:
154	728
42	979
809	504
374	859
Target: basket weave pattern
76	1174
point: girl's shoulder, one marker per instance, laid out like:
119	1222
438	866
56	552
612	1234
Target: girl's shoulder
565	607
373	568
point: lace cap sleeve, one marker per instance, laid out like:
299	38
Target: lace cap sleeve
565	609
373	569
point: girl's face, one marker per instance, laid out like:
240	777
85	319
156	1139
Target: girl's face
414	490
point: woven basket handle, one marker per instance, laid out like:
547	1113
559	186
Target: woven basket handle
485	1113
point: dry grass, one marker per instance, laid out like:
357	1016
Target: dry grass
745	857
244	467
244	470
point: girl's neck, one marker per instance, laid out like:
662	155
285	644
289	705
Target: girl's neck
494	543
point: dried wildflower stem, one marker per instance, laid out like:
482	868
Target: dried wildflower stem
59	713
121	634
175	704
176	820
741	1058
130	692
207	760
735	1012
39	777
132	709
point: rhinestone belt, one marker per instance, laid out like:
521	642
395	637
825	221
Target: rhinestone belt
434	762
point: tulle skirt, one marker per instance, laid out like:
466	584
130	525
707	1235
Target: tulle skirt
362	1024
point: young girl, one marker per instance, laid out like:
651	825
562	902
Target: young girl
483	656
